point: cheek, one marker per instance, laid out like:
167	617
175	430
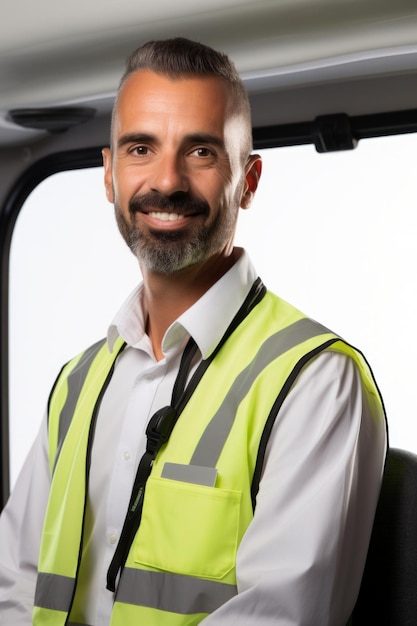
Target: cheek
128	182
218	189
120	189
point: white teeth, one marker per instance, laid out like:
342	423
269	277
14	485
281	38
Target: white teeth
166	217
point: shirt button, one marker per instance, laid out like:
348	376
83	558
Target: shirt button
126	455
113	538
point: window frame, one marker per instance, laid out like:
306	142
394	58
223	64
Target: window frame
327	133
33	176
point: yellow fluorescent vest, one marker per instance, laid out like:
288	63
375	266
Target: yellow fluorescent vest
181	564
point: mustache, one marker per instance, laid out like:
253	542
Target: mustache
182	203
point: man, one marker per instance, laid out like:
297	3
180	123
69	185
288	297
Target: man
250	498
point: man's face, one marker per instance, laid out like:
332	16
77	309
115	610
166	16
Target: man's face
176	173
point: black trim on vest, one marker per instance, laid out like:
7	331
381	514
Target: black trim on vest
255	295
170	414
274	412
87	469
76	380
280	399
158	431
51	393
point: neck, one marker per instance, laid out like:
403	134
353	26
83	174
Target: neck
167	297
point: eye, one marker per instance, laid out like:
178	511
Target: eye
139	150
203	152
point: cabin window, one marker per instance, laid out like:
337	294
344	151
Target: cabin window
69	269
332	233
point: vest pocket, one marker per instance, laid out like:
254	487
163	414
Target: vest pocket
188	529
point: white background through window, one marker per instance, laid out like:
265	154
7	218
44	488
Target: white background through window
333	234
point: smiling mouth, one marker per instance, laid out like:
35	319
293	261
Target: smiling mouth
166	217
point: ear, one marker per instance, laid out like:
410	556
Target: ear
253	172
108	174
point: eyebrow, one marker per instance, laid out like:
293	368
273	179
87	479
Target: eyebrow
193	138
130	138
205	138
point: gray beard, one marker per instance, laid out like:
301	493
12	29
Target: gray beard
166	255
169	252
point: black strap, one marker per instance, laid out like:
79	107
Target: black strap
157	432
181	380
255	295
161	425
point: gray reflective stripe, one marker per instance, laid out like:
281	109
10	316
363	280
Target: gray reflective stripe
172	592
213	439
54	592
76	380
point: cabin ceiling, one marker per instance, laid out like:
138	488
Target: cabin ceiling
58	53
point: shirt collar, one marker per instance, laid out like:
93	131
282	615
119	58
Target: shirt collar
206	321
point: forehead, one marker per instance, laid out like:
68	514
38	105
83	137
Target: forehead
155	98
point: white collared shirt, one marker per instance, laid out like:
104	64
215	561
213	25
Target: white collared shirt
301	559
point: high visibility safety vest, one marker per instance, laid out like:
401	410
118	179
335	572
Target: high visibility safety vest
182	562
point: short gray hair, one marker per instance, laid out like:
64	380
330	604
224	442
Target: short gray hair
179	57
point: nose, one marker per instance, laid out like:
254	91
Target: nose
170	175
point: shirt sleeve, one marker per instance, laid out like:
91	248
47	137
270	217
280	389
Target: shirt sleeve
21	525
301	559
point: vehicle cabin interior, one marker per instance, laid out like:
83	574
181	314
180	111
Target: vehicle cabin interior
321	72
